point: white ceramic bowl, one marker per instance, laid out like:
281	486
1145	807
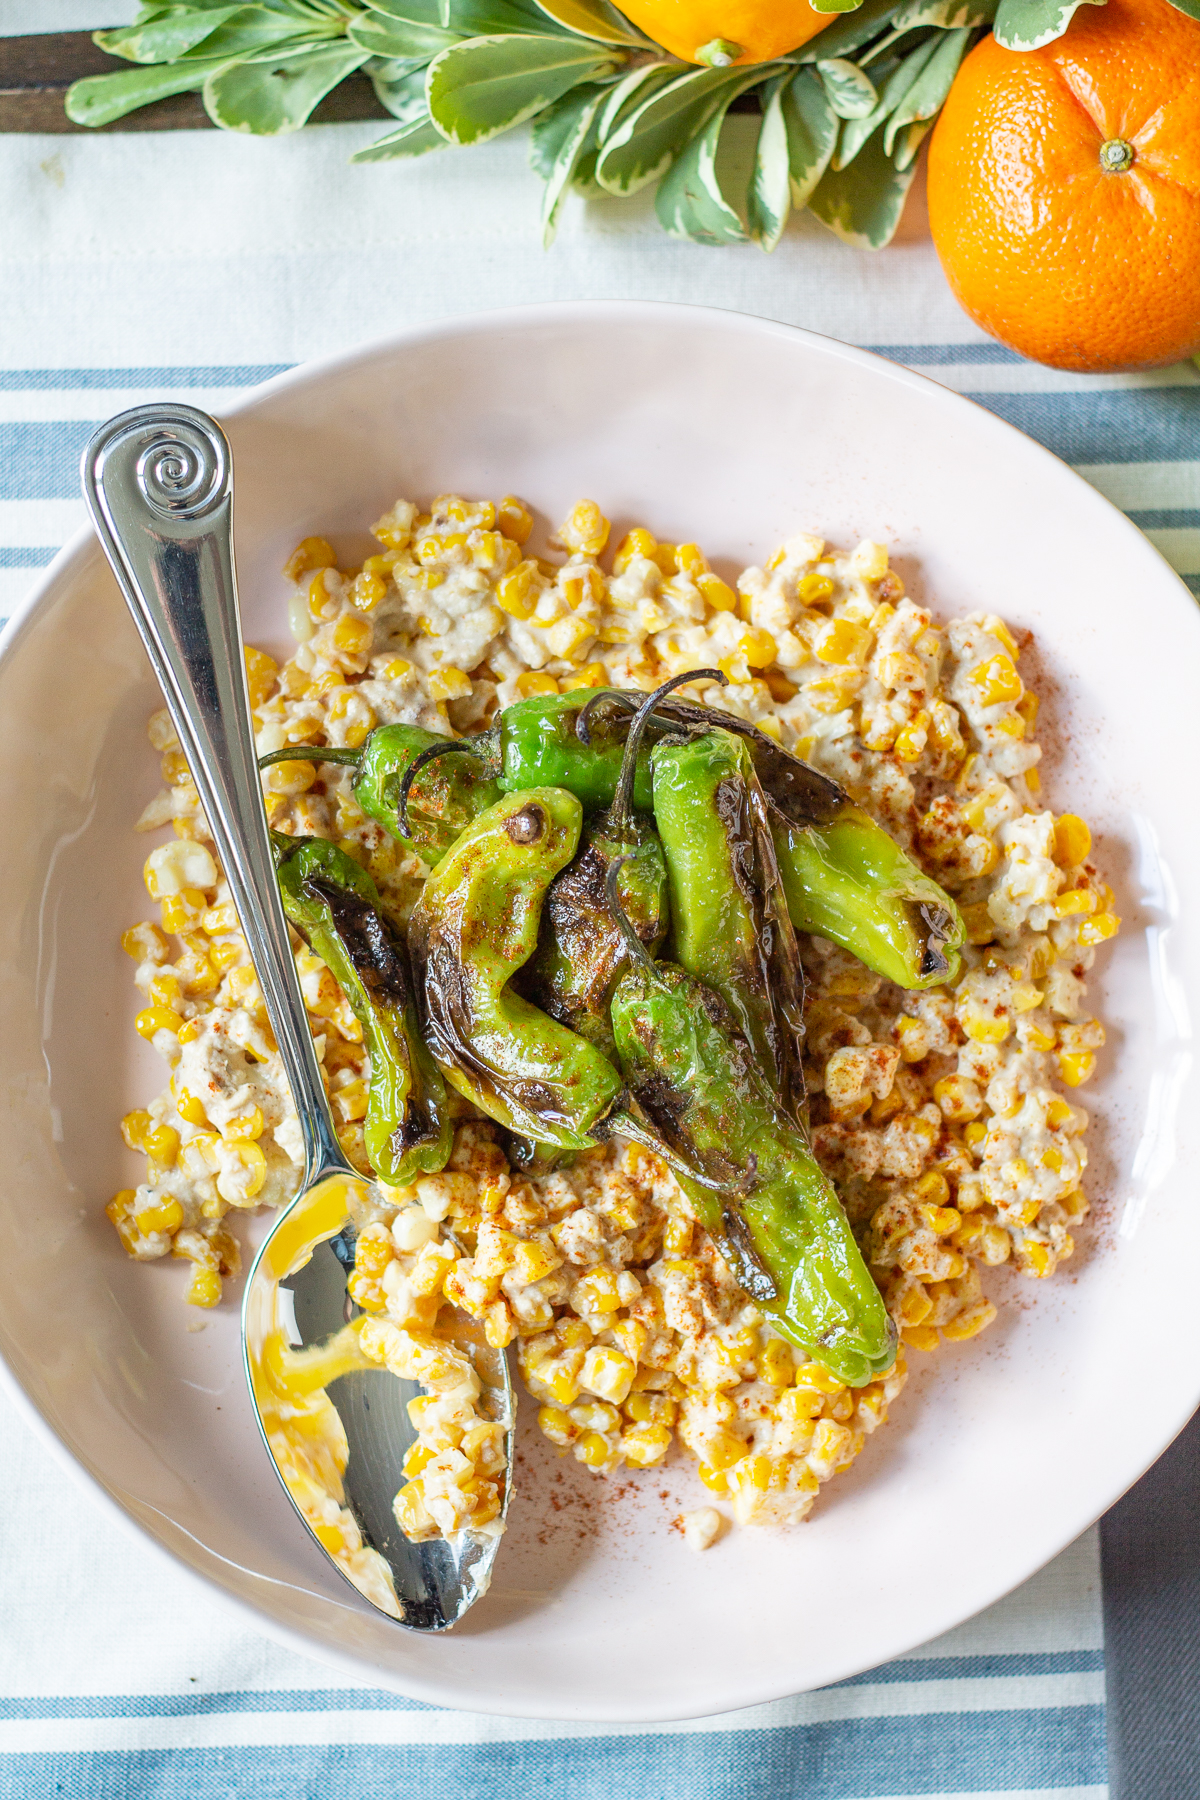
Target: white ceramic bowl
737	432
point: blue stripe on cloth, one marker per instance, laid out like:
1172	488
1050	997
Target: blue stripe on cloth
39	459
25	556
274	1700
933	356
1164	518
1115	425
31	381
855	1759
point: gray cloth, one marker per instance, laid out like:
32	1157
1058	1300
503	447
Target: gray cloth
1150	1556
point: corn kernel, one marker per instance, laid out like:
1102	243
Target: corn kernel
813	589
514	519
190	1107
204	1287
759	648
776	1365
1075	1066
719	595
261	671
1038	1258
910	742
291	778
168	1216
1099	928
236	1190
593	1450
985	1030
555	1424
449	684
1074	901
996	680
368	590
637	542
516	594
844	642
921	1337
585	529
154	1019
714	1479
724	1450
645	1445
310	553
536	683
958	1097
814	1375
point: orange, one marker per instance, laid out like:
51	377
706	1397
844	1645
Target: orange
761	29
1064	190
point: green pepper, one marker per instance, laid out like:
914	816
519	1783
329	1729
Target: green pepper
474	927
729	922
747	1169
452	792
335	907
850	882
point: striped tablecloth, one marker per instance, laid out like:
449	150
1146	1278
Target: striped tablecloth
137	267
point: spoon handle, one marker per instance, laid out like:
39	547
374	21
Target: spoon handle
158	484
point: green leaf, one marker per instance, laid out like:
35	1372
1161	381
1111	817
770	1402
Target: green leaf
770	197
863	203
1028	24
836	6
905	152
900	80
948	14
277	94
560	137
630	92
689	202
847	34
850	93
593	19
399	41
404	96
812	130
406	141
925	97
411	12
1190	7
492	18
99	99
649	138
264	29
163	39
486	85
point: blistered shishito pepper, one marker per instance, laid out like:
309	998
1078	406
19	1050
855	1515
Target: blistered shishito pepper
729	920
850	882
843	875
475	925
747	1168
452	790
335	907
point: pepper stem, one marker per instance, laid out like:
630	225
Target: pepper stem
621	919
306	753
418	762
622	804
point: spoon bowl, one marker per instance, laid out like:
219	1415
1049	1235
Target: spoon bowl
158	481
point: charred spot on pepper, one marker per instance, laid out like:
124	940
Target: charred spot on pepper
939	926
368	940
737	1247
527	826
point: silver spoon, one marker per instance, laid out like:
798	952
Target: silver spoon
158	481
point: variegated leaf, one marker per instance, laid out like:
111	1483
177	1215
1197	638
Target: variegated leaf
851	94
647	140
908	145
770	197
100	99
863	203
630	92
277	94
895	87
562	135
812	129
486	85
689	202
925	97
948	14
1190	7
1028	24
405	141
594	19
403	93
397	40
847	34
163	39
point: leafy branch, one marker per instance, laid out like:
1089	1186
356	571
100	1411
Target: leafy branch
842	118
